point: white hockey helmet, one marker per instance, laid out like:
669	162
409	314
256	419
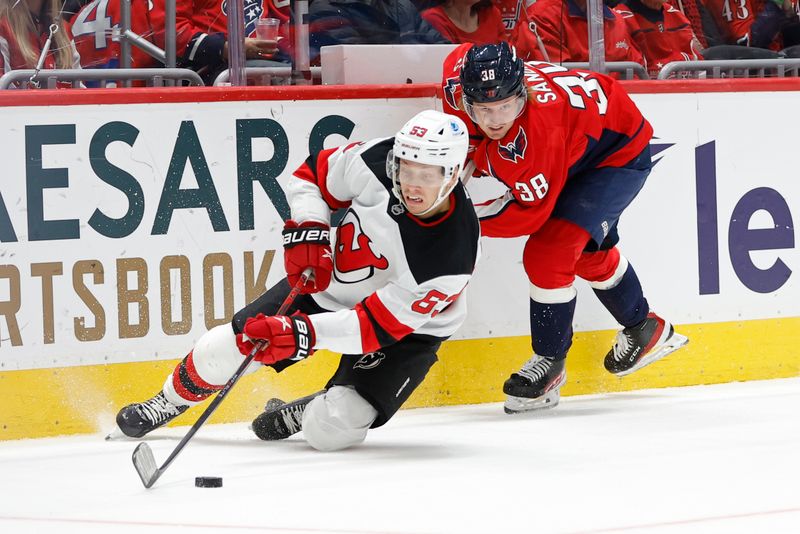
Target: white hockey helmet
433	138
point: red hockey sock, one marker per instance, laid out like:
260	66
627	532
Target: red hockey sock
188	384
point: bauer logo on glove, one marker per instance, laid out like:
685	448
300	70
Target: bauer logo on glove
303	235
307	245
284	337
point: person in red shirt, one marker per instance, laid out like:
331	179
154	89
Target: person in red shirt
557	31
202	33
573	150
733	18
660	31
93	30
510	11
25	27
466	21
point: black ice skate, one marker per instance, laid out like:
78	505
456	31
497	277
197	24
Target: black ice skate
281	420
643	344
535	386
137	419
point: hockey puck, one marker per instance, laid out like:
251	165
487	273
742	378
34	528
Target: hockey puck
208	482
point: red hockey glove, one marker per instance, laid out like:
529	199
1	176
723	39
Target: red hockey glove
308	245
286	337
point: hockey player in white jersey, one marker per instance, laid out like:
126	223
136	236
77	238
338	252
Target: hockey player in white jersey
385	293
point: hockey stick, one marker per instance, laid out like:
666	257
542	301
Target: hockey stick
143	459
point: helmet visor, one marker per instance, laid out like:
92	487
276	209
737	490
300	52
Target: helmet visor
425	184
500	112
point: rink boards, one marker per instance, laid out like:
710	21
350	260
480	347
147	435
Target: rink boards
132	221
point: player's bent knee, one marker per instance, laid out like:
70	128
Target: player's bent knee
216	355
338	419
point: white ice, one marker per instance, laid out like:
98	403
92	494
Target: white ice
706	459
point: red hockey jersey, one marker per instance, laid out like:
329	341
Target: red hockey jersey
196	20
511	11
94	28
393	274
573	121
564	33
732	17
490	26
662	36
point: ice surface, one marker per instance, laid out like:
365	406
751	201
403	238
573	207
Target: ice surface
706	459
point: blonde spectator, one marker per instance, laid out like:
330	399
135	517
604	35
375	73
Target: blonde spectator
467	21
25	26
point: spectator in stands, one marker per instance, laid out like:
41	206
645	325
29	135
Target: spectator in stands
467	21
660	31
25	26
751	23
70	8
557	31
93	29
334	22
202	34
510	11
732	20
767	28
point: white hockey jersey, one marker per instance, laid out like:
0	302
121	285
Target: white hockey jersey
394	274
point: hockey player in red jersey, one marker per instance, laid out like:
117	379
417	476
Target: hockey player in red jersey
385	293
573	150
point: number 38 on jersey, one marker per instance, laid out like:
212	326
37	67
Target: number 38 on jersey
533	189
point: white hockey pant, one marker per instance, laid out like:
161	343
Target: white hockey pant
337	419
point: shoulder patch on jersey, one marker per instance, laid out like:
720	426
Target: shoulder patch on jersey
514	150
450	88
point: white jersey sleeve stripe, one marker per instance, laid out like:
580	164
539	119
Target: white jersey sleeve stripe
494	207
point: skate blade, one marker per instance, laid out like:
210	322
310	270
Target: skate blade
515	405
675	342
117	435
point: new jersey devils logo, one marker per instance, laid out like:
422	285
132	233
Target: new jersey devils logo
515	149
354	260
369	360
252	12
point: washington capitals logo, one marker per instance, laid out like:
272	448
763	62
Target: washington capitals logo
370	360
252	12
450	92
515	149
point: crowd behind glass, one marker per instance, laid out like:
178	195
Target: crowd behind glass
70	34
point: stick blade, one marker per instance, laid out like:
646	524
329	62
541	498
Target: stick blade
145	464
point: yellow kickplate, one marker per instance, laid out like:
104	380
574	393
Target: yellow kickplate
76	400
